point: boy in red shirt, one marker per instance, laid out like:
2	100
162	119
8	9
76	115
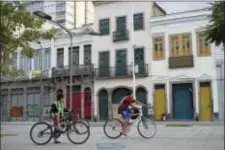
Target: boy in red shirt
124	109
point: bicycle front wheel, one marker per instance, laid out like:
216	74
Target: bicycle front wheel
78	133
113	129
43	131
146	128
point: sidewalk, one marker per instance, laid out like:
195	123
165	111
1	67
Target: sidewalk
99	124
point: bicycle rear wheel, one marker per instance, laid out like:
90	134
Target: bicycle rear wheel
115	126
149	127
76	129
41	133
86	122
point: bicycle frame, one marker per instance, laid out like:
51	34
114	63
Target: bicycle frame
139	117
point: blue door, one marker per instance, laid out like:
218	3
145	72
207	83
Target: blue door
183	108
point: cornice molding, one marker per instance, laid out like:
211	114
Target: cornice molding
179	20
97	3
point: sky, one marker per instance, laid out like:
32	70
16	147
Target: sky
172	7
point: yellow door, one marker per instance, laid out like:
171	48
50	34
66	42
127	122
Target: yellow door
160	101
205	102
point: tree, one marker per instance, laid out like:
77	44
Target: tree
216	29
17	29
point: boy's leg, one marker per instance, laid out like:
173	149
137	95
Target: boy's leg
125	117
57	128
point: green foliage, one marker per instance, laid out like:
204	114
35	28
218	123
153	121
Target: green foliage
15	73
18	28
216	30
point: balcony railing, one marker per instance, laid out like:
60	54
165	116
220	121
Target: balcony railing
76	70
181	62
120	36
28	75
120	72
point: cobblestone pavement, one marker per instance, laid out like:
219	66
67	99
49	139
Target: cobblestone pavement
197	137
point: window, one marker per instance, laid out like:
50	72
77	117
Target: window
25	62
47	58
180	45
60	4
21	61
60	57
203	46
37	60
61	21
158	48
186	45
138	21
60	13
104	26
121	24
87	54
14	60
75	56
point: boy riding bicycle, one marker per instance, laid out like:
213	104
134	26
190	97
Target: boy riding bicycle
125	111
57	112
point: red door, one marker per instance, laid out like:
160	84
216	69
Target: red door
76	103
87	106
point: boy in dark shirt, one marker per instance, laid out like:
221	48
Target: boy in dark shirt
57	112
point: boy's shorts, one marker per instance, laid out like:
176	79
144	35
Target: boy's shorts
126	113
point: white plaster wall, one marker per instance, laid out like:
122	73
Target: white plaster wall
204	67
64	42
105	43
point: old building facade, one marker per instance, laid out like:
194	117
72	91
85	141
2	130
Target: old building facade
176	68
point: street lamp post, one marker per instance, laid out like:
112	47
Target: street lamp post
49	18
133	53
90	32
41	81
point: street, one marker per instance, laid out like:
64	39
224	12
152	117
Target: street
167	138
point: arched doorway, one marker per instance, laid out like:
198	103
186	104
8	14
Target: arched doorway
76	99
118	94
103	105
87	103
141	95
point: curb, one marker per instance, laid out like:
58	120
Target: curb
166	123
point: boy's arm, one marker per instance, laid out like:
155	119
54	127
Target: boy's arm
66	109
140	103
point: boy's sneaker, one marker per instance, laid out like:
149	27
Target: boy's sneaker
57	142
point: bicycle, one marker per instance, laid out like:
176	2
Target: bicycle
137	119
70	126
82	120
71	118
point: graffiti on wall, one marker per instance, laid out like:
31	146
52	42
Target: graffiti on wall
33	110
16	111
46	111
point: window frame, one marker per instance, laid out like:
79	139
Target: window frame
135	28
100	26
76	62
180	52
84	47
57	55
154	51
207	52
117	27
